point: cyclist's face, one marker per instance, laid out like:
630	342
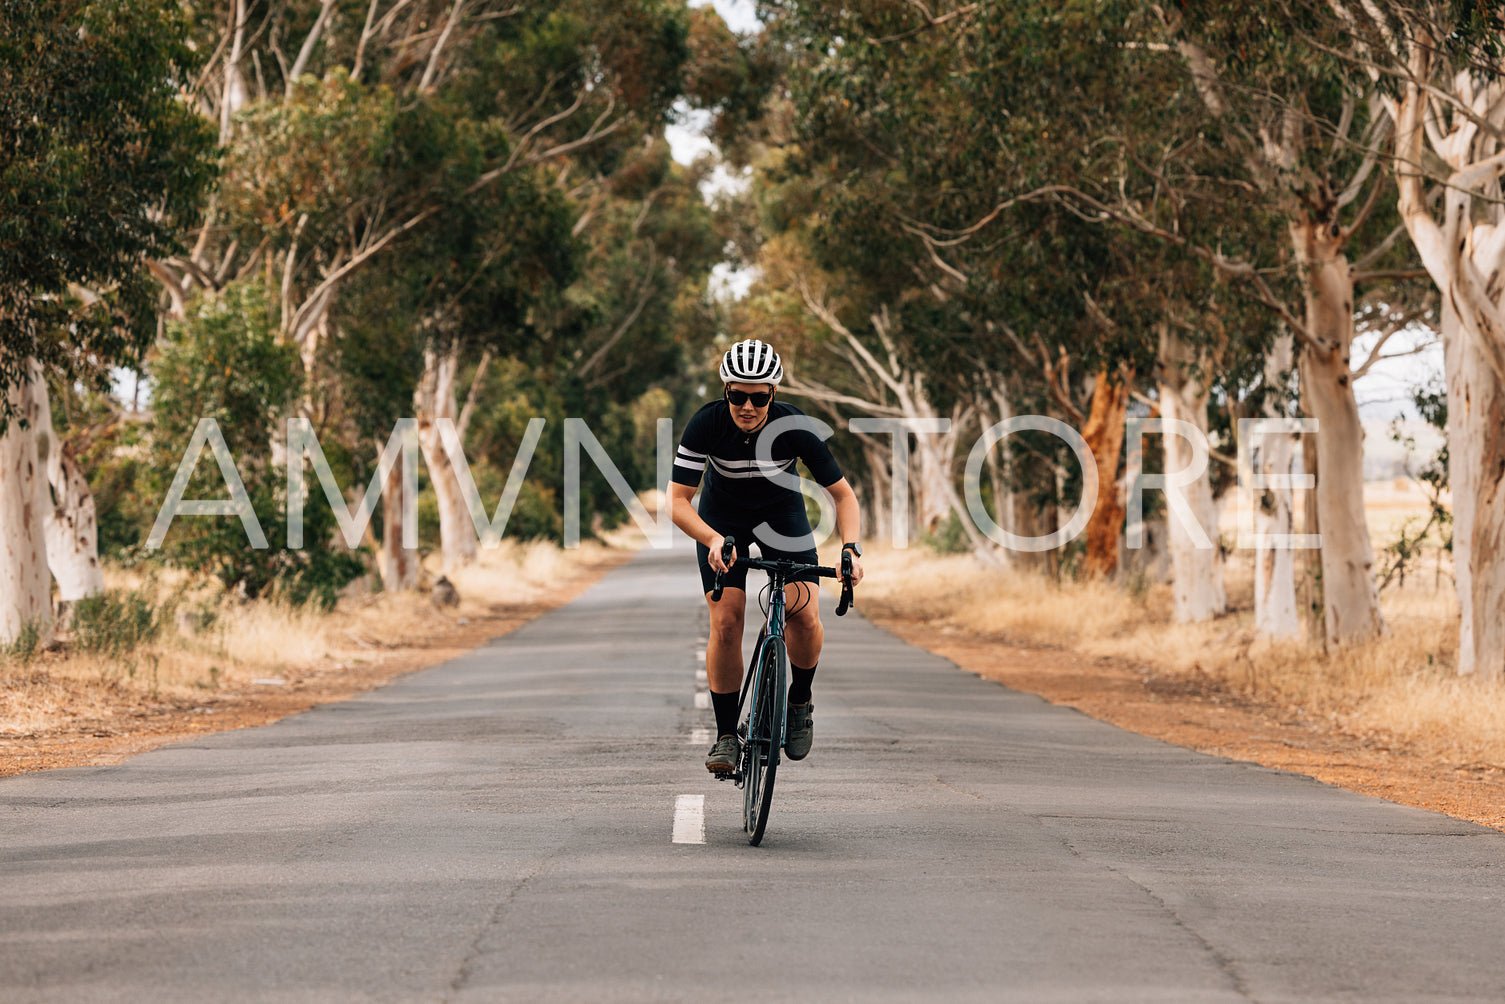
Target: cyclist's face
747	415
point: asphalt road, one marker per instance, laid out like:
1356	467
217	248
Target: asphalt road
503	827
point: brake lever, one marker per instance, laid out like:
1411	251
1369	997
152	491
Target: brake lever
728	545
846	584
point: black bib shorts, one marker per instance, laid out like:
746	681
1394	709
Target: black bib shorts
786	517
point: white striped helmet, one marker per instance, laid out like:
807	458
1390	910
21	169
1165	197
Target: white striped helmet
751	361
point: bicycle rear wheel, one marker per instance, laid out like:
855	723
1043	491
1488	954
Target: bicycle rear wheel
765	727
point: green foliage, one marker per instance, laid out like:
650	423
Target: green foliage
115	623
102	163
226	362
1432	402
23	648
948	538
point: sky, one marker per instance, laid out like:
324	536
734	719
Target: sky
687	139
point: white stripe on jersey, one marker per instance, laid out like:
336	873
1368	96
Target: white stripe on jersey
692	454
763	472
750	463
682	462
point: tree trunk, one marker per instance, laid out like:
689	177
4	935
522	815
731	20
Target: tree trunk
399	565
1104	434
1309	589
879	489
1464	252
1275	568
435	400
69	521
1196	572
1006	501
1351	603
1476	474
25	586
935	456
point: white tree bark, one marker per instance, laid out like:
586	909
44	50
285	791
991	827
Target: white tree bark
1275	612
1196	572
25	585
932	486
69	520
1464	252
1351	602
234	95
434	400
399	565
880	518
1000	468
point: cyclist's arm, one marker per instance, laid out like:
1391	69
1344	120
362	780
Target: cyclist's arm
848	520
685	517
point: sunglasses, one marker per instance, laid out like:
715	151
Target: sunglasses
741	397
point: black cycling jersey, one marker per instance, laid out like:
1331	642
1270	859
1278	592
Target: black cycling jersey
734	476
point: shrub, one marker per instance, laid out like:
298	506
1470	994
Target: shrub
116	623
226	362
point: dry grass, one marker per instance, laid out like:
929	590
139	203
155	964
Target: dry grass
1401	688
232	647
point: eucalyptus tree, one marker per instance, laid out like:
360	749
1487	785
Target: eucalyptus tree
100	164
1309	139
972	120
1437	68
391	136
1205	130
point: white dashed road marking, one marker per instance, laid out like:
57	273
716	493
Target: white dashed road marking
699	737
702	699
689	819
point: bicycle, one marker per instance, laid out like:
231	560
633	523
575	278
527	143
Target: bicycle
762	717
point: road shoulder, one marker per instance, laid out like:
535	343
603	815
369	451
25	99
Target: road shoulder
113	739
1206	718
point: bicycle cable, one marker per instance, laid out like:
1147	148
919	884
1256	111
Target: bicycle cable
806	594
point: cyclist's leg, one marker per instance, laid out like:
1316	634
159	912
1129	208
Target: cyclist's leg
804	634
723	650
723	667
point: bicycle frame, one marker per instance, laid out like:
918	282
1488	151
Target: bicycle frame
755	769
773	627
781	575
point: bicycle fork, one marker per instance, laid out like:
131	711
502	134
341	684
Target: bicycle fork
773	627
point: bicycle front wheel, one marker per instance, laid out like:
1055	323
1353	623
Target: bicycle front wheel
765	737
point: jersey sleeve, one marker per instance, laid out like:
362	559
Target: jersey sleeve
689	459
817	457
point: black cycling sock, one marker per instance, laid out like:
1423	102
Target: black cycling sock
799	683
726	712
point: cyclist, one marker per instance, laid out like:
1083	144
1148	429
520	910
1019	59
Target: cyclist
756	499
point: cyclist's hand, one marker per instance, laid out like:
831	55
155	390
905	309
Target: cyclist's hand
717	565
856	570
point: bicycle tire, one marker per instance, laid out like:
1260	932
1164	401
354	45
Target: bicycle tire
765	739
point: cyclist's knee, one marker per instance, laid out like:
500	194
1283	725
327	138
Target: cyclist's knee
727	632
807	618
726	623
